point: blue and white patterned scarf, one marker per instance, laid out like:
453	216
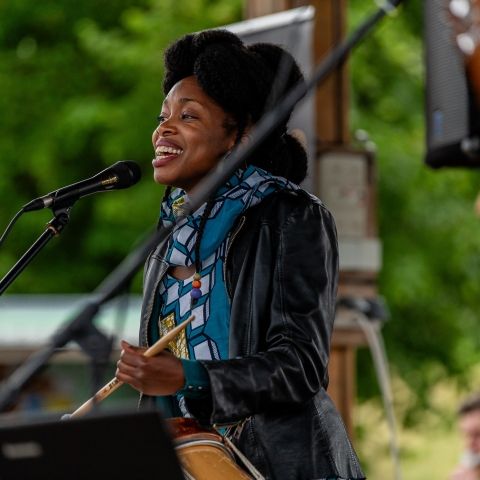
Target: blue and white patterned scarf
208	334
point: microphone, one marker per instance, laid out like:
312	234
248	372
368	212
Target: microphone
119	175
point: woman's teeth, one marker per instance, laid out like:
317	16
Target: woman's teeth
165	151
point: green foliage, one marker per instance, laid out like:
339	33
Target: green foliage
81	89
430	235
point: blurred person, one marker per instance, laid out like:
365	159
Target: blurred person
257	265
469	425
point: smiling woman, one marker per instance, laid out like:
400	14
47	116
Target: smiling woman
257	266
192	136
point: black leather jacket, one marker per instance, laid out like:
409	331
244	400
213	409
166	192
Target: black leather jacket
281	273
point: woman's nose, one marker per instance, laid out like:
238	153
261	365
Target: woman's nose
164	129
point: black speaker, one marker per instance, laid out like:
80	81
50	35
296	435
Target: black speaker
118	445
453	121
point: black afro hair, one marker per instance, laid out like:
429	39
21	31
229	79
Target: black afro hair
244	81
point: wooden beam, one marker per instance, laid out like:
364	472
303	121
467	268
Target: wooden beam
255	8
342	387
332	100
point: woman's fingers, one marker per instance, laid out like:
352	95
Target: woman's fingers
159	375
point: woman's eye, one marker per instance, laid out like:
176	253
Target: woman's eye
161	118
188	116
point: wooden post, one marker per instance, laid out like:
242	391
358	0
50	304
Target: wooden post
332	96
342	378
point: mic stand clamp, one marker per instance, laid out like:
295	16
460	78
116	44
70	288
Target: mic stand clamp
54	228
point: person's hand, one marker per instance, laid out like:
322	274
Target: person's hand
464	473
159	375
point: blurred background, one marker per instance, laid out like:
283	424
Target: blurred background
80	87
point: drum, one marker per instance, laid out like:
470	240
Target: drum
202	452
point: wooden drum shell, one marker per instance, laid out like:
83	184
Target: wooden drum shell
202	452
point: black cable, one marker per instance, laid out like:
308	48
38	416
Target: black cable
10	225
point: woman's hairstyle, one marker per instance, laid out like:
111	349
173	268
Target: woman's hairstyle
242	79
245	81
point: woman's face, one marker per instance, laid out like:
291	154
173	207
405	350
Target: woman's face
190	138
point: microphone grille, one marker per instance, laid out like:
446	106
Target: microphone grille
128	173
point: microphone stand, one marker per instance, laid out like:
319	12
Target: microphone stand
122	275
95	344
54	228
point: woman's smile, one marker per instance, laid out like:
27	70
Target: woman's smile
165	152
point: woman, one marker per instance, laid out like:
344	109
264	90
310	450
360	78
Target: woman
257	266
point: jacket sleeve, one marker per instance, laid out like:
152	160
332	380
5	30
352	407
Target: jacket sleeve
293	316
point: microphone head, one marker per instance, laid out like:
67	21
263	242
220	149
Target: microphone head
127	172
119	175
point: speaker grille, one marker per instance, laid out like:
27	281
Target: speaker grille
447	93
448	101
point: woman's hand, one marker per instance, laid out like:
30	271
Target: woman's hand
159	375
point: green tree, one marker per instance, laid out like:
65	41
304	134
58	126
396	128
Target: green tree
81	89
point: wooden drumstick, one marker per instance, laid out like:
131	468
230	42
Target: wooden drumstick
113	384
